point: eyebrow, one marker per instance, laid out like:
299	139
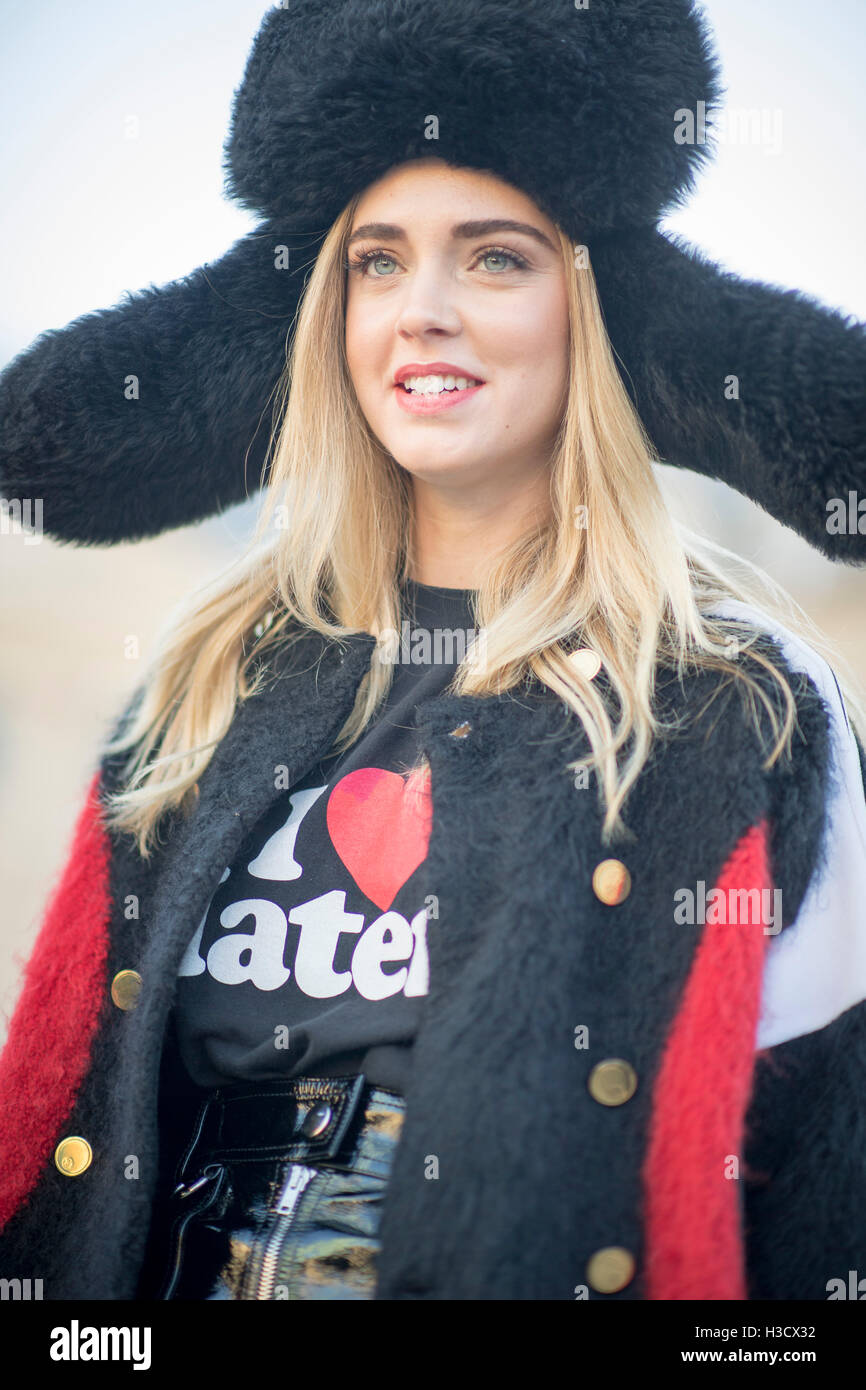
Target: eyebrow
461	231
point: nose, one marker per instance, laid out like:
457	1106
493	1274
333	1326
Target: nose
427	305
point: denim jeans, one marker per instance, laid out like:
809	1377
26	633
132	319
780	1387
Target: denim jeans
279	1191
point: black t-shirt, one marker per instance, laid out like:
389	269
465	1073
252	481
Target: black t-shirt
311	958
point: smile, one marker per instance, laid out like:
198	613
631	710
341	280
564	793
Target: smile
435	395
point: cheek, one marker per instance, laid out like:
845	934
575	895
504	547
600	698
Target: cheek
535	335
367	345
354	347
542	366
549	358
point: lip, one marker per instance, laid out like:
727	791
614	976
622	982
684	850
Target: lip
432	405
433	369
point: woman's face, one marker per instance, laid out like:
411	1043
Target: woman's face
448	298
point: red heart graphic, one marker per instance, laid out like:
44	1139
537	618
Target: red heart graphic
380	827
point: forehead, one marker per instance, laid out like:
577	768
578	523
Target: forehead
440	194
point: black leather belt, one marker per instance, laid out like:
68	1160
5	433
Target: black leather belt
310	1119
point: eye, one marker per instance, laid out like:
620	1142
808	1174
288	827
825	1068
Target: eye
517	261
359	262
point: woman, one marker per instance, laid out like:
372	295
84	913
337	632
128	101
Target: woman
488	971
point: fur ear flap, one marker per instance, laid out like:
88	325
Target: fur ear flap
760	387
155	413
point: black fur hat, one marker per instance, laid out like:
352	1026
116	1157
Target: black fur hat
595	113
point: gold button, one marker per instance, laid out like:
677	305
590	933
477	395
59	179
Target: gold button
586	661
125	988
611	881
461	731
612	1082
610	1269
72	1156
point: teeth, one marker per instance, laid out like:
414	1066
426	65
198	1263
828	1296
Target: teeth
433	385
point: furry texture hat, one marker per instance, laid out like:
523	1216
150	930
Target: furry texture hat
585	110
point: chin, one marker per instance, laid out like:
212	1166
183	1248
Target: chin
433	466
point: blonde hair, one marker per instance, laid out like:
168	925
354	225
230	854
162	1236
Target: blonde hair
608	569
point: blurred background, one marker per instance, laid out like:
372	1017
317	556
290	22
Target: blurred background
111	179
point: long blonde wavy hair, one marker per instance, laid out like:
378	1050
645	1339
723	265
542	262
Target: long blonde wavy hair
334	541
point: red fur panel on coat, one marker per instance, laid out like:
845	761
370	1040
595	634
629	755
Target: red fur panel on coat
47	1051
694	1247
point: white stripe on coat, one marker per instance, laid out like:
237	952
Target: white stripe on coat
816	968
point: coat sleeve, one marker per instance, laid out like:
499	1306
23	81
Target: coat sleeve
54	1028
804	1188
51	1033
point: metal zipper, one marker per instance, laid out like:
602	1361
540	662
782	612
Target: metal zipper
287	1203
